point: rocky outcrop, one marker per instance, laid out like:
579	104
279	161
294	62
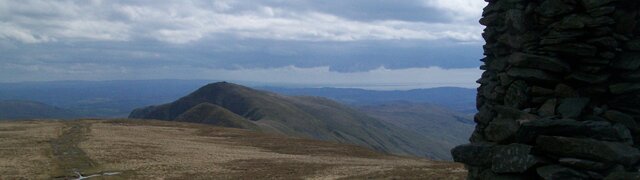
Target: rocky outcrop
560	95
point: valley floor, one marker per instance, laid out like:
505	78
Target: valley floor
143	149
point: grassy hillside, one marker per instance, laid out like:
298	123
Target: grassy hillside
139	149
17	109
208	113
309	117
460	100
438	125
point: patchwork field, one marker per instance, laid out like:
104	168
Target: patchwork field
143	149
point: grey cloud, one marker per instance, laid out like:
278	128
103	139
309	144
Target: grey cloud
34	21
362	10
230	53
130	37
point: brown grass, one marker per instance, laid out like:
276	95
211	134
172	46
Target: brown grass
167	150
25	152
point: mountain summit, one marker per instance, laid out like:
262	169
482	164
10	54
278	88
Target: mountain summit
232	105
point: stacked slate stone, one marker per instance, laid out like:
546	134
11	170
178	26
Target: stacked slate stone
560	95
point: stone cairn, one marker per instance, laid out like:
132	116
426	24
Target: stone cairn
560	95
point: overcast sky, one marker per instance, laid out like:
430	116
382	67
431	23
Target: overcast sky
410	43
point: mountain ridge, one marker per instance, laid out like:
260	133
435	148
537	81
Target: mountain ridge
461	100
116	99
309	117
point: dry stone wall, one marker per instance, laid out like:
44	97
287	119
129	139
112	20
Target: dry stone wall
560	95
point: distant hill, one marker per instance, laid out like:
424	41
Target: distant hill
100	99
310	117
432	122
107	99
18	109
461	100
